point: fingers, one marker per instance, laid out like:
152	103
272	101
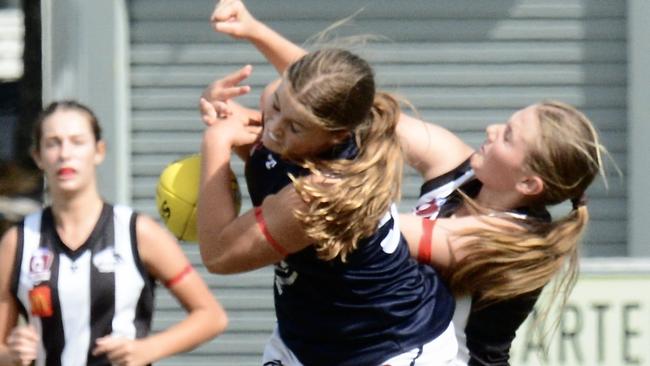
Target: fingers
111	346
225	19
224	11
223	111
23	344
215	93
27	332
228	87
237	77
232	18
121	351
208	112
102	345
214	100
23	352
211	113
255	132
255	118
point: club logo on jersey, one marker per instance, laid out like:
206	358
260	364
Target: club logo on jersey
40	299
106	259
270	162
40	265
428	209
284	276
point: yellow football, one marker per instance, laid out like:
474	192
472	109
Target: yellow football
177	194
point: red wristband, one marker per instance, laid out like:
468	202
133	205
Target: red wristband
424	247
176	279
259	217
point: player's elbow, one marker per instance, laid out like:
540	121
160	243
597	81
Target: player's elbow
213	263
214	260
220	322
211	320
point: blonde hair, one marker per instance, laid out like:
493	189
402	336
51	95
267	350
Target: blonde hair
504	263
337	89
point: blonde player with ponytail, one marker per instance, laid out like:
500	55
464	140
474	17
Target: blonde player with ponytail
483	218
323	178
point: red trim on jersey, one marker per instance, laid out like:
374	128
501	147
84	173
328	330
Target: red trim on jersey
261	223
424	247
176	279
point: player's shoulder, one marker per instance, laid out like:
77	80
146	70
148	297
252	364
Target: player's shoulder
143	224
8	247
9	237
454	177
147	225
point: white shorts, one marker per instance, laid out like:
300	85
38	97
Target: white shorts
439	352
276	353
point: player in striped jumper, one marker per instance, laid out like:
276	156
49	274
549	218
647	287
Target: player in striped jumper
82	272
486	223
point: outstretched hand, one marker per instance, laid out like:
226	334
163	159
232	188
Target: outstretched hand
241	125
227	87
231	17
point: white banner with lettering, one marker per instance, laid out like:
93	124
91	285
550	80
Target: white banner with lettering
606	320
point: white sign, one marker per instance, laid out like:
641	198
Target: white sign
606	321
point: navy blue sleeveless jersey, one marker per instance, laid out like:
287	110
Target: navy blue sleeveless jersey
378	304
485	334
74	297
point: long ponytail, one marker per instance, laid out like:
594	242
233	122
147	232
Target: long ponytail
348	207
504	263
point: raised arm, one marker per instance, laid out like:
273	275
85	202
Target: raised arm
431	149
257	238
231	17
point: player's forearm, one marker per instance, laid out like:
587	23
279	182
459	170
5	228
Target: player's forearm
277	49
200	326
216	206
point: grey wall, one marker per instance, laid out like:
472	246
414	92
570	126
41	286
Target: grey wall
85	57
639	127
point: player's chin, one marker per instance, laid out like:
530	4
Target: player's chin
476	160
272	145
